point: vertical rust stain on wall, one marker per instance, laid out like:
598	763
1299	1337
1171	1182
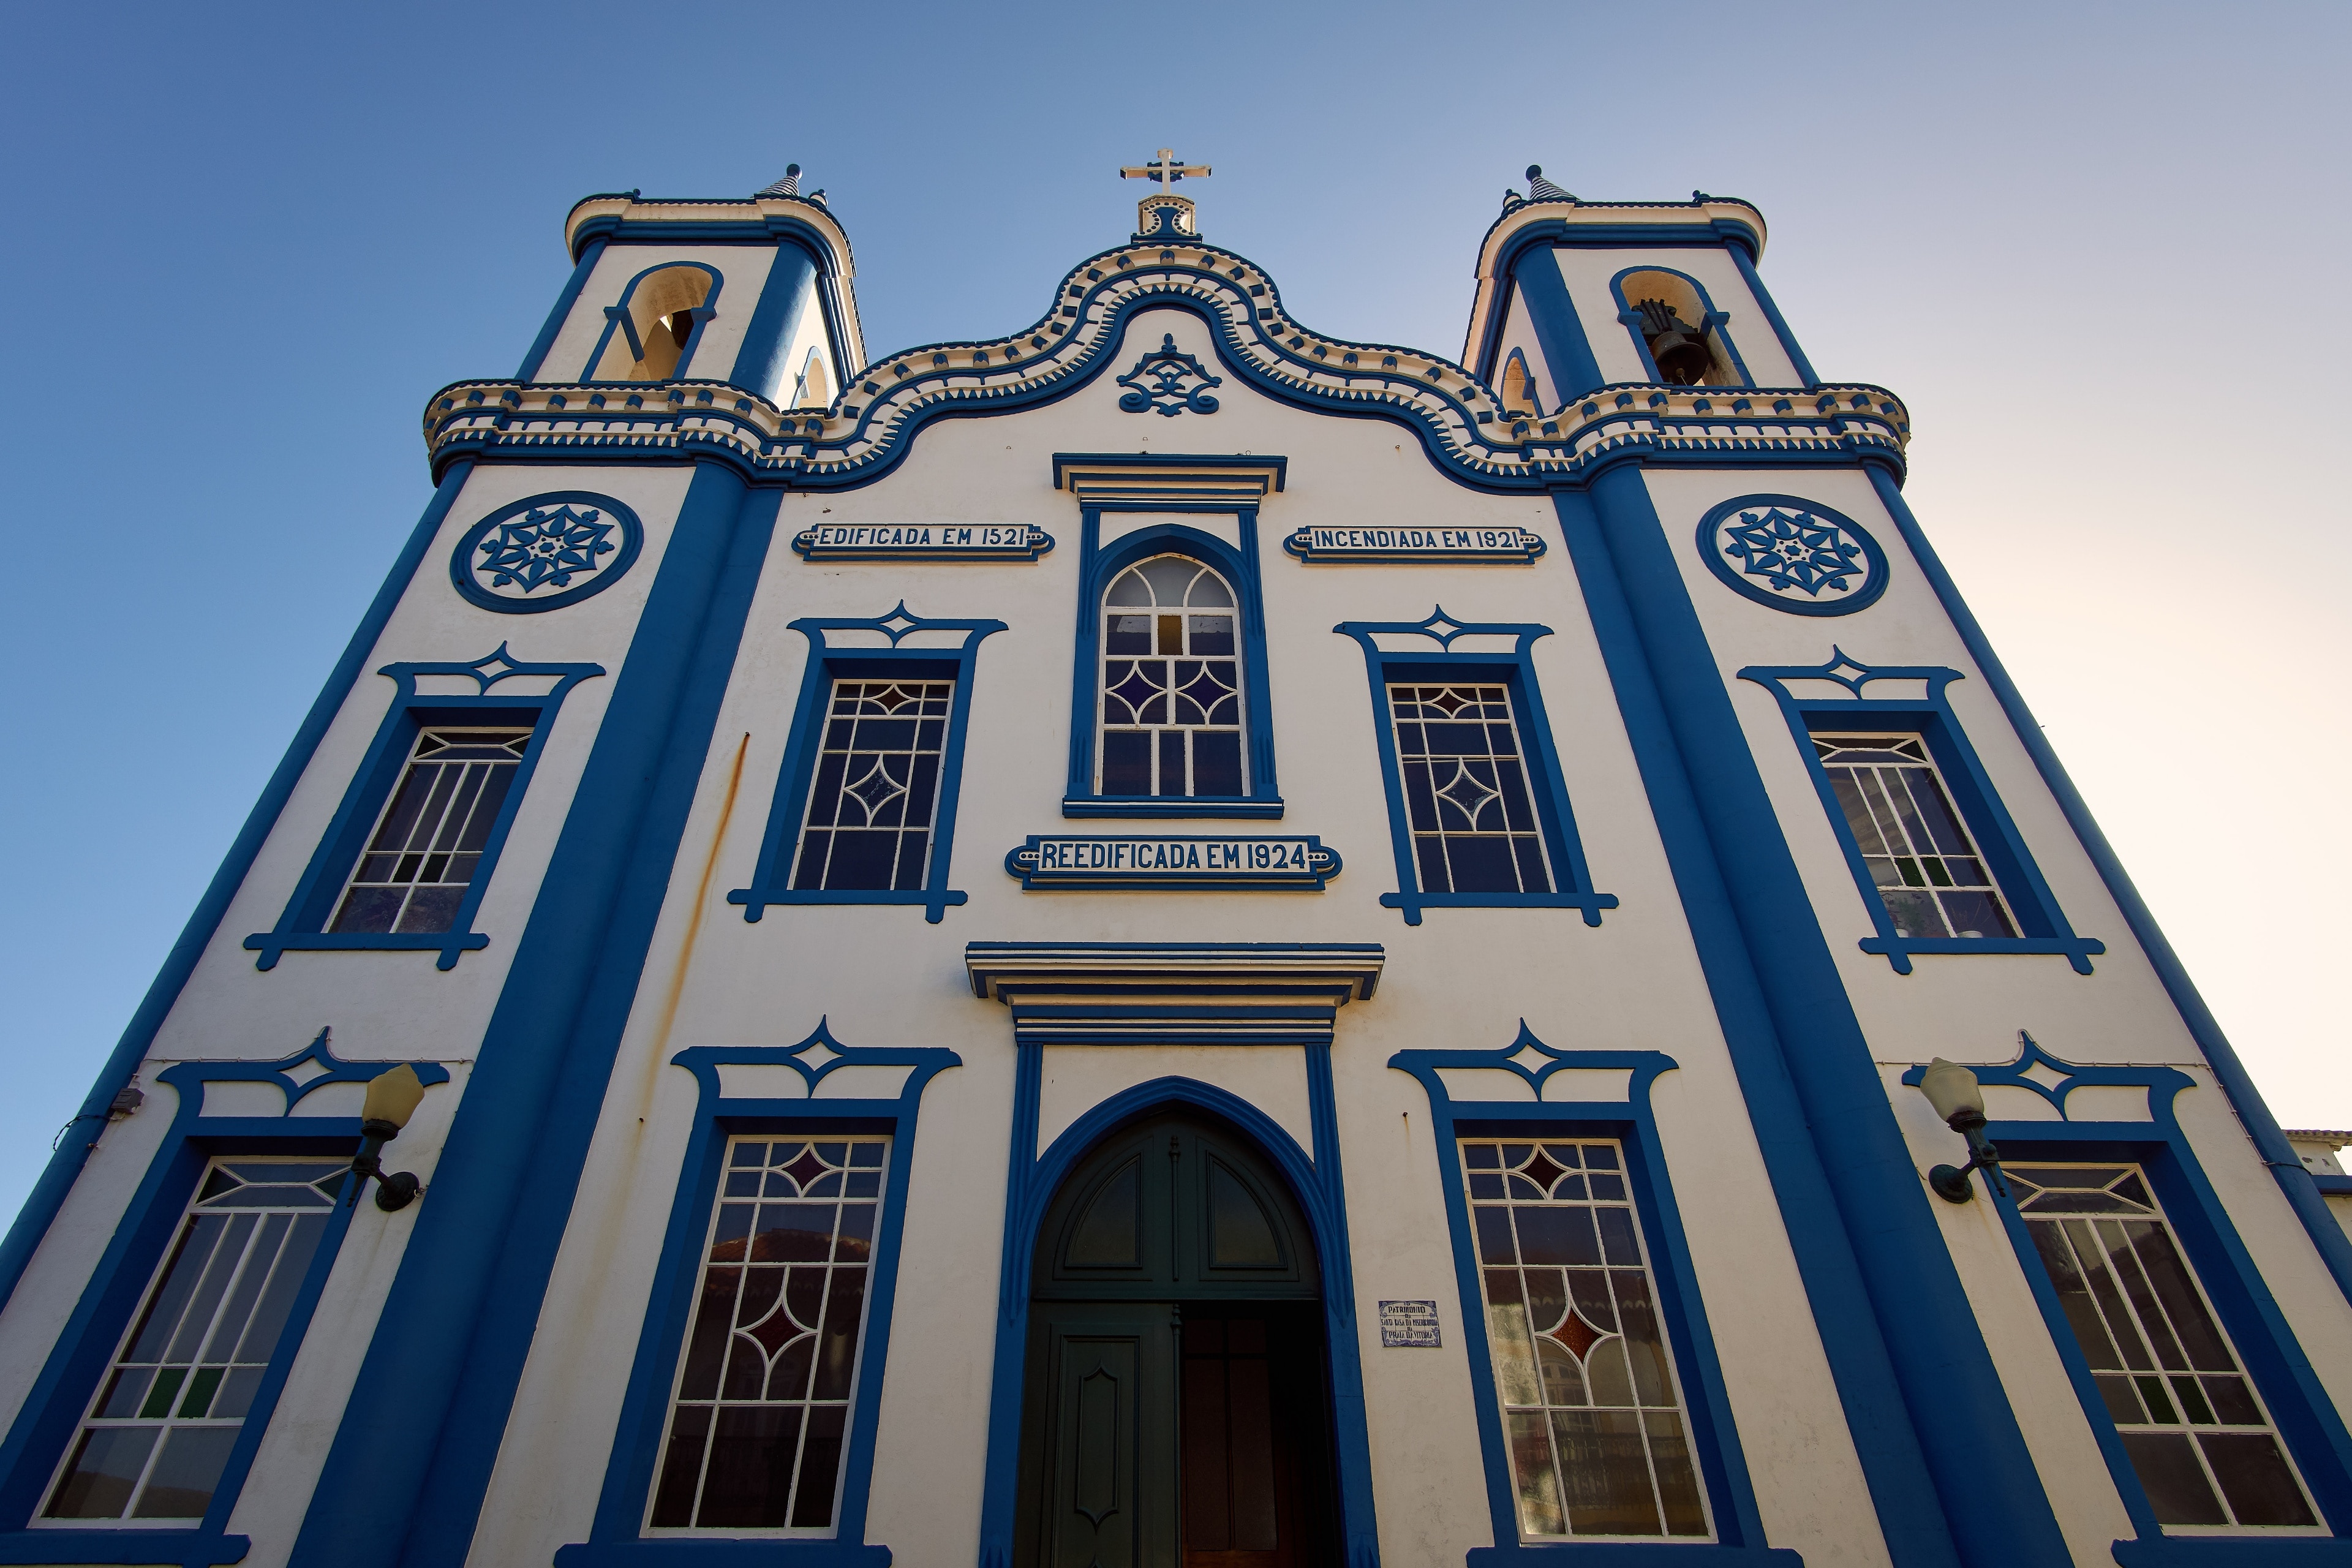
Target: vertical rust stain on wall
701	901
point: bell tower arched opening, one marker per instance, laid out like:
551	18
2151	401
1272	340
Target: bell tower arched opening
1176	1406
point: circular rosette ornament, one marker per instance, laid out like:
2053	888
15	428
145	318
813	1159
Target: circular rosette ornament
1794	554
546	552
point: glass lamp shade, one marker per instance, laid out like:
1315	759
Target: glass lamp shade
393	1096
1952	1089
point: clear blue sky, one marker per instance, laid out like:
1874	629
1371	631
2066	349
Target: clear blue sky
2099	249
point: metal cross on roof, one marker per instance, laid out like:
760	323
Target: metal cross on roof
1165	170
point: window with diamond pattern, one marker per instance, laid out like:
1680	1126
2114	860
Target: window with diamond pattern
1466	790
876	787
1171	685
761	1414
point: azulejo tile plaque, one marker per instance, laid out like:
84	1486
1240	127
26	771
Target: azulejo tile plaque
1173	862
1409	1325
1379	546
922	542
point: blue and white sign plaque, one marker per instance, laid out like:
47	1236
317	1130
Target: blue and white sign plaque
1173	863
1379	546
1794	554
545	552
923	542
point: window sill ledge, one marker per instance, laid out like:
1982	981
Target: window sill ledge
1899	950
1413	904
1635	1553
274	944
934	902
187	1548
686	1552
1266	809
2233	1551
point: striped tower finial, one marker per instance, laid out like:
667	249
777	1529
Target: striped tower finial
790	185
1542	190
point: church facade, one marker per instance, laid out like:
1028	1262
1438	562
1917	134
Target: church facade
1171	943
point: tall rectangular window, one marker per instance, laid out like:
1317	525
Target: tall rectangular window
2199	1438
1927	869
1591	1410
174	1400
1466	790
428	842
761	1411
877	786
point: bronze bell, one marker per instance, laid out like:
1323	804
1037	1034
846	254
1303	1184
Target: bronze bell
1678	349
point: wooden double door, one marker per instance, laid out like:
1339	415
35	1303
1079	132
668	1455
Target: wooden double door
1176	1411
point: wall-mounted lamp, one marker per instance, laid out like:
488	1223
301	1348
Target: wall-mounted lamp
392	1099
1952	1089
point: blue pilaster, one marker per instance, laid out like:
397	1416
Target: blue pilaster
784	299
403	1481
1923	1400
535	355
1568	353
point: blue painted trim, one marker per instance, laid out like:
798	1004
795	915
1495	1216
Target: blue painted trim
763	364
2340	1186
1066	462
1876	571
953	542
1516	670
1738	1527
302	927
1566	352
2044	923
459	1321
535	355
616	1539
461	558
1712	322
1301	862
1099	566
81	1134
2334	1248
618	320
1763	297
52	1409
1938	1444
2299	1403
1317	1182
771	878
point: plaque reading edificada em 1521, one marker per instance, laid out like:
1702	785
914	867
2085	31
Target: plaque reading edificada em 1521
923	542
1496	546
1179	863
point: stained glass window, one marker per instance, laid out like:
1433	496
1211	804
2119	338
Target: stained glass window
426	846
1467	790
877	786
1927	868
761	1415
1171	688
158	1436
2190	1419
1599	1444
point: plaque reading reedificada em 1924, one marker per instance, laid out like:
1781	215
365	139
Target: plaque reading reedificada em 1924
923	542
1376	546
1173	863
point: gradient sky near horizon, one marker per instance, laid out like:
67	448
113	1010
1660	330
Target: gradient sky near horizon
2097	248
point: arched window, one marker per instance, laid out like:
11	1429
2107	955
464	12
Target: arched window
648	336
1170	718
812	392
1519	395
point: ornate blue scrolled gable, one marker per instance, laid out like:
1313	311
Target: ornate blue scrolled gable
1463	425
1168	381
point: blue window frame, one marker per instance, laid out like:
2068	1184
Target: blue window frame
1478	815
1932	851
1217	721
418	822
247	1190
768	1124
2126	1127
1515	1103
1676	302
865	801
659	323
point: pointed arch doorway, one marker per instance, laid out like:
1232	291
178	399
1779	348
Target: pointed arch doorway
1176	1402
